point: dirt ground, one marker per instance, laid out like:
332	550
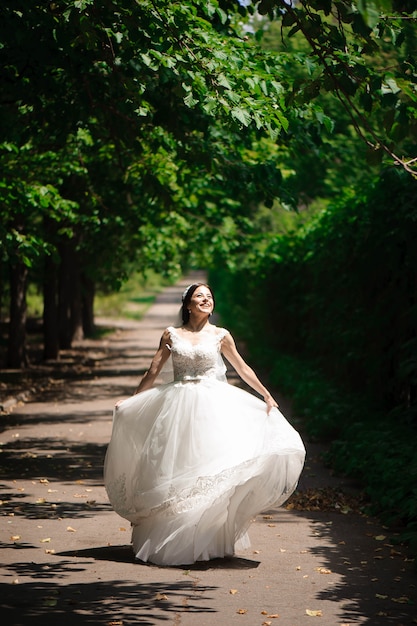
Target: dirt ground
66	558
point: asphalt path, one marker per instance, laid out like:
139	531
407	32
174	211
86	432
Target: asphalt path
66	558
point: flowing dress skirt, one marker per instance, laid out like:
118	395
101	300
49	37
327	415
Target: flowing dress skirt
190	463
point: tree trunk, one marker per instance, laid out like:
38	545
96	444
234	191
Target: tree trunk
88	293
16	349
70	307
76	303
50	310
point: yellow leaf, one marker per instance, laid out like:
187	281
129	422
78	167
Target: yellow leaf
314	613
70	529
49	551
15	538
47	540
233	591
380	596
264	612
242	611
122	529
161	596
380	537
401	600
40	501
274	615
266	623
323	570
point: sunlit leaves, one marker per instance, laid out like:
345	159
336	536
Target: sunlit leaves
354	46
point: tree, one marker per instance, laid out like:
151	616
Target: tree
112	110
362	52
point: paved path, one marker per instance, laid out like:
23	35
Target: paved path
66	558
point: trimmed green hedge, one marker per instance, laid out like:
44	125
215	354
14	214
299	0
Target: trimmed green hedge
331	311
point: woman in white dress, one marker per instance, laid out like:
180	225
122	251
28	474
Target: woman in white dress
190	462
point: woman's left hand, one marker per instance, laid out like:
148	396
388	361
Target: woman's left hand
270	404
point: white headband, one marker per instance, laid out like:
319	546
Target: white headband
186	291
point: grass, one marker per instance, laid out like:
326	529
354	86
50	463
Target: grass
133	299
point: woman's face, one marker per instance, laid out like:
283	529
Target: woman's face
201	301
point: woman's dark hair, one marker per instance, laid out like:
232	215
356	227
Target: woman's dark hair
186	298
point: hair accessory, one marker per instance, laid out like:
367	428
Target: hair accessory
186	291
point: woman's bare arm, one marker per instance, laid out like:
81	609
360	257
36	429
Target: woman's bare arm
245	372
160	358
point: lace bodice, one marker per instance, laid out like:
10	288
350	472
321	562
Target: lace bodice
194	362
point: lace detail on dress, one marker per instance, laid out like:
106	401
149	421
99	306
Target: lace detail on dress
116	490
200	361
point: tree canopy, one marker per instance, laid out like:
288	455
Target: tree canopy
148	133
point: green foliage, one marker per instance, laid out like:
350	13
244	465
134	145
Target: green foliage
359	52
331	312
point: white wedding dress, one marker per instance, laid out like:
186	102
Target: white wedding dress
191	462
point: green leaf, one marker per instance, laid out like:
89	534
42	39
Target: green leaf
190	101
241	115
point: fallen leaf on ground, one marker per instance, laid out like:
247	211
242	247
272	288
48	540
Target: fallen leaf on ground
233	591
323	570
70	529
242	611
381	596
380	537
46	540
15	538
401	600
161	596
325	499
314	613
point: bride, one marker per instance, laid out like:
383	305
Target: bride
191	462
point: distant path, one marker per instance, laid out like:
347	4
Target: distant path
66	559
